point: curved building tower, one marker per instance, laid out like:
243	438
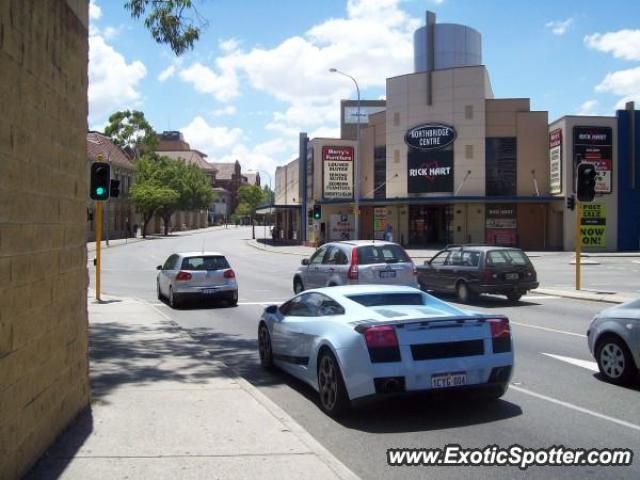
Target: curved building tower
445	45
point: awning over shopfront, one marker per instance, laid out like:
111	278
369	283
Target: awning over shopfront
269	209
447	199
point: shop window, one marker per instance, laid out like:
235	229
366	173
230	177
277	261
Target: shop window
380	172
468	112
501	166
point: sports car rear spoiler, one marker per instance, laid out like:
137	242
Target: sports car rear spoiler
432	322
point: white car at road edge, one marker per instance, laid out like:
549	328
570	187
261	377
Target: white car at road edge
356	341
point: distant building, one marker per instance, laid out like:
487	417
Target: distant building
229	176
118	213
252	178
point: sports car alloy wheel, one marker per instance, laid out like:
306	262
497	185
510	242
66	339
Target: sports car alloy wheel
333	397
264	348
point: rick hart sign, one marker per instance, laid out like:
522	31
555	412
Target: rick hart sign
430	158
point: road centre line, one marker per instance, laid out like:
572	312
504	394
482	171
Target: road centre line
571	406
547	329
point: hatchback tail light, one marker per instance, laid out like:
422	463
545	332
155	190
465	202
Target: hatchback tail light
382	343
487	275
229	274
352	274
183	276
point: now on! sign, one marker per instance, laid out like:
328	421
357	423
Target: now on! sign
593	225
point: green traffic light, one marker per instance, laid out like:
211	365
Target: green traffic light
100	191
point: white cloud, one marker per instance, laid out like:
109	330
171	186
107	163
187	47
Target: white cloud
625	83
167	73
229	45
590	107
113	83
211	140
623	44
95	12
559	27
227	110
223	86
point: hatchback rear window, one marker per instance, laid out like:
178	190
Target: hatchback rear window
386	299
205	263
507	257
381	254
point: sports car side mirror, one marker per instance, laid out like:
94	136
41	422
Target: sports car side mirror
305	261
271	309
159	267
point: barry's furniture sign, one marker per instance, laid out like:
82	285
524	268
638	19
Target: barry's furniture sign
337	165
430	158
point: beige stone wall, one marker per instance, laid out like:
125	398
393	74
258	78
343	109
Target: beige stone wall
456	91
43	275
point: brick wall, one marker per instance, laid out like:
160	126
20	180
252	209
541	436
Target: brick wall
43	190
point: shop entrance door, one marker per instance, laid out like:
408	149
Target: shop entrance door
429	226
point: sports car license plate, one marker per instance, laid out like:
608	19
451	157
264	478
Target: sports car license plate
208	291
388	274
511	276
448	380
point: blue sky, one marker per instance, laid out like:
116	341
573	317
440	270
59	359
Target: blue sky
259	73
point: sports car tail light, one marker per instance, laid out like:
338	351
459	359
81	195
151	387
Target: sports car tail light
499	327
382	343
183	276
229	274
500	334
352	274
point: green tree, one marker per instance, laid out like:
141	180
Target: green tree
173	22
149	197
131	129
187	180
252	196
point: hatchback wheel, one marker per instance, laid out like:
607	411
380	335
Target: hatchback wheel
297	286
264	347
333	394
464	293
173	299
615	361
514	296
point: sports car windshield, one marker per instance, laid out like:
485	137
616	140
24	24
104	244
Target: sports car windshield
386	299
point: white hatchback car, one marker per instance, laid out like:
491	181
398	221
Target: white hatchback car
197	275
351	342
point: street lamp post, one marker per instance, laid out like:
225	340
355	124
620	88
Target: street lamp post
270	202
356	172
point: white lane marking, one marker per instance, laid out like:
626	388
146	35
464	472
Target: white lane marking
571	406
547	329
593	366
539	297
274	302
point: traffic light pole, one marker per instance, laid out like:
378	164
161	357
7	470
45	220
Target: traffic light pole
578	241
98	242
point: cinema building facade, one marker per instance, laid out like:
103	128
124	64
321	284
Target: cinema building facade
441	161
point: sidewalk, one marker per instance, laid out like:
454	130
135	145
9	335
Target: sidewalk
164	408
91	246
591	295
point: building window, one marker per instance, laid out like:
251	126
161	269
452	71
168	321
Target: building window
380	172
501	166
468	112
468	152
